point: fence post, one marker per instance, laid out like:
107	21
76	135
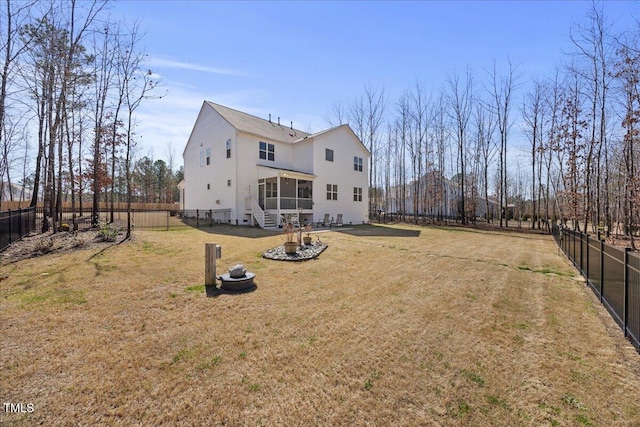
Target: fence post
10	230
601	270
574	251
582	253
197	218
625	310
210	264
20	230
167	221
587	260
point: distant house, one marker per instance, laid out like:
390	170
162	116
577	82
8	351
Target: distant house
438	197
258	170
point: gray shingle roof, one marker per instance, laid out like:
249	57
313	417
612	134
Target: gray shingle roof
254	125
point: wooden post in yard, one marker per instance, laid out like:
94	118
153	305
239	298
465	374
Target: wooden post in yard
210	264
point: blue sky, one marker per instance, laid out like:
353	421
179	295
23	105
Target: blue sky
294	59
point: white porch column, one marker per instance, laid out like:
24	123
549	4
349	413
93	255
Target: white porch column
278	197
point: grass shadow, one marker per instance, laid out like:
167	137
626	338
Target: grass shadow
507	232
378	231
215	292
239	231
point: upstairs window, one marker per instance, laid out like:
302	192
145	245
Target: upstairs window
332	192
267	151
208	156
328	155
357	164
228	148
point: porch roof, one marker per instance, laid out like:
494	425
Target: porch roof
270	172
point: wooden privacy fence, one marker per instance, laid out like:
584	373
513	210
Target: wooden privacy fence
613	273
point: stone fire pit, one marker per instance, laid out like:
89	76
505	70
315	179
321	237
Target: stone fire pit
237	279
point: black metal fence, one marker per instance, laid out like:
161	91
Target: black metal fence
15	224
205	217
612	273
140	219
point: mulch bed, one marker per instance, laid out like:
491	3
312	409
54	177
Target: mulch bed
303	253
38	244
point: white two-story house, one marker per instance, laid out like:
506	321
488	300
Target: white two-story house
259	170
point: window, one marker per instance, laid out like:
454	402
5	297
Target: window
357	194
357	164
332	192
228	183
328	155
208	156
208	186
267	151
228	148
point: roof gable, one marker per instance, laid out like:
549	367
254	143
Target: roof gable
244	122
344	127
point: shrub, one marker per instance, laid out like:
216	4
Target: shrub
44	246
289	233
79	242
108	232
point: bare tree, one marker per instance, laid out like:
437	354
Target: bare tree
533	115
366	117
57	56
502	92
628	74
136	85
338	114
590	40
420	118
459	98
572	133
104	69
402	128
441	142
486	147
12	46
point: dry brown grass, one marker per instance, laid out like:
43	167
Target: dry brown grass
390	326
